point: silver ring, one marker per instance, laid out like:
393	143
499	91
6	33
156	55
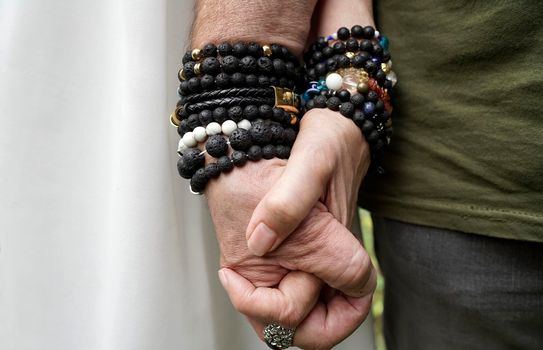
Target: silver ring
278	337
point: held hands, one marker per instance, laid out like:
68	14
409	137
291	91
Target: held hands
282	233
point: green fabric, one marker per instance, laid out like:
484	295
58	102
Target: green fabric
467	150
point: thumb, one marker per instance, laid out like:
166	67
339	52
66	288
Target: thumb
292	197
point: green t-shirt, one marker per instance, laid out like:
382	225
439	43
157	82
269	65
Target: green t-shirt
467	149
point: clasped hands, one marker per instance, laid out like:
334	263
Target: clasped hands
287	254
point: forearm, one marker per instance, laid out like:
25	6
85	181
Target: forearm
329	15
263	21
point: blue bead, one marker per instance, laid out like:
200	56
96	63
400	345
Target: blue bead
376	60
369	109
329	37
305	96
383	41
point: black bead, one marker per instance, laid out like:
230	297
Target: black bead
207	82
379	107
209	50
254	49
290	68
367	127
238	79
377	50
277	114
235	113
268	151
198	181
193	159
193	121
283	82
312	74
184	88
372	137
289	136
365	55
277	133
210	65
239	49
274	81
263	81
281	151
357	100
224	49
205	117
183	127
333	103
370	66
225	164
380	76
343	95
254	153
357	31
321	43
358	118
320	69
212	170
369	32
379	144
309	105
317	56
351	44
216	146
358	61
222	80
372	96
230	64
188	69
279	66
250	112
240	139
220	115
346	109
277	50
343	61
343	33
366	45
183	170
339	47
386	56
239	158
194	85
265	111
248	64
187	57
320	101
388	85
331	63
251	80
327	52
260	133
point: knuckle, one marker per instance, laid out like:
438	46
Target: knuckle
357	272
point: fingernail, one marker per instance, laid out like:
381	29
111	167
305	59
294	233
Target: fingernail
261	240
223	278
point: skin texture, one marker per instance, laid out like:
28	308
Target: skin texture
301	267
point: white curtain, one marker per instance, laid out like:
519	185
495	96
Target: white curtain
101	244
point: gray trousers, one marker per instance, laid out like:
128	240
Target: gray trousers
451	290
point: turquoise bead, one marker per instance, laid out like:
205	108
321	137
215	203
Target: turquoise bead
383	41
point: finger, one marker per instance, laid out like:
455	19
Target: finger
291	198
330	323
333	254
288	304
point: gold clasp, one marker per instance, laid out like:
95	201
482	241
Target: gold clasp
286	99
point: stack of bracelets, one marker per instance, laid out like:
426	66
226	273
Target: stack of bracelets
238	100
350	72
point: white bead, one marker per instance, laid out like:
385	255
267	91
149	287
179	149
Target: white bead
392	77
189	140
228	127
244	124
334	81
213	128
376	36
334	35
181	147
200	134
